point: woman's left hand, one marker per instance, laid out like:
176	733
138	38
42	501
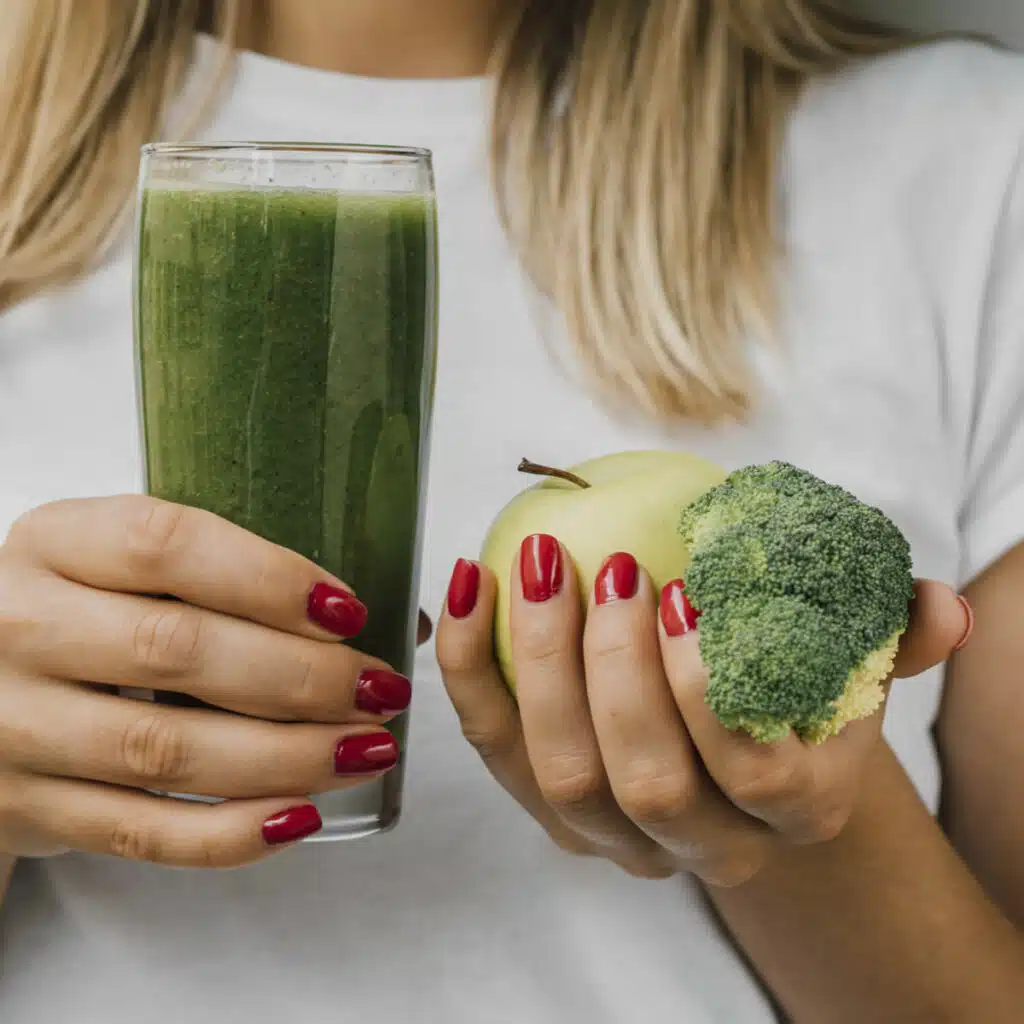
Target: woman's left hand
611	746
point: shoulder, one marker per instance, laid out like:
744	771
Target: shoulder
953	105
938	81
955	64
915	156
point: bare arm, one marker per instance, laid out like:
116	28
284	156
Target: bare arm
893	920
981	738
883	923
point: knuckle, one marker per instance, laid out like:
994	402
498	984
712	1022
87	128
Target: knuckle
153	530
12	809
153	749
541	646
605	645
307	697
278	575
19	534
730	872
17	624
655	797
649	870
571	843
825	825
575	786
132	840
461	657
493	737
168	642
272	576
769	783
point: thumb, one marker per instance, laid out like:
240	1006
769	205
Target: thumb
941	622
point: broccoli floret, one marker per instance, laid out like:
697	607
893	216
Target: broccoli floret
804	592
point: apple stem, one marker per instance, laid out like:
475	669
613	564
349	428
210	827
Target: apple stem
526	466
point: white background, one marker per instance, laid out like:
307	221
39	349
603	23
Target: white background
1002	18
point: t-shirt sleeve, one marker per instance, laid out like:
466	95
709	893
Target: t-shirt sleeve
992	507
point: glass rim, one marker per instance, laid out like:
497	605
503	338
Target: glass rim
396	154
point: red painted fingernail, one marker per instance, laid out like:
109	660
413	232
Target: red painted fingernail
381	692
291	825
969	628
371	752
540	567
336	610
463	589
617	579
678	616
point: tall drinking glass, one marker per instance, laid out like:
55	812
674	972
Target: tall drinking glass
285	337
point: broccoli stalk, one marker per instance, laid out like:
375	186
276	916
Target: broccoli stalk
804	594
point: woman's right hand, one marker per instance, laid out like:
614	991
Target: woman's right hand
136	592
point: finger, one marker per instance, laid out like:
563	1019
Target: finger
490	718
940	622
465	652
546	630
142	545
487	711
101	819
104	637
653	769
778	782
73	731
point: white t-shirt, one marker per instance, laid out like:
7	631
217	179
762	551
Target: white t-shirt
904	320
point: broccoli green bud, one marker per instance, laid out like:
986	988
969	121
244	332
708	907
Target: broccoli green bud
805	592
733	564
775	664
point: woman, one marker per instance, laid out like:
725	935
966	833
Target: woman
763	245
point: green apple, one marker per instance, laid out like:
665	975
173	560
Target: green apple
629	501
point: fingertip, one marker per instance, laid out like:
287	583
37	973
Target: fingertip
464	639
463	589
336	610
678	616
941	622
543	570
619	578
679	637
291	825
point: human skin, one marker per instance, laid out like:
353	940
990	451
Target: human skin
848	898
940	938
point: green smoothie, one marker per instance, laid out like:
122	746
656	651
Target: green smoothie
286	345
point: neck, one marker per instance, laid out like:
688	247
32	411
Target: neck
379	38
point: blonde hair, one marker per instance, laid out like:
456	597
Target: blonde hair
84	86
635	148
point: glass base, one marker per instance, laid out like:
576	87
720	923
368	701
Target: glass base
365	810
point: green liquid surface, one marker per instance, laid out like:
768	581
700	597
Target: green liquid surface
286	354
